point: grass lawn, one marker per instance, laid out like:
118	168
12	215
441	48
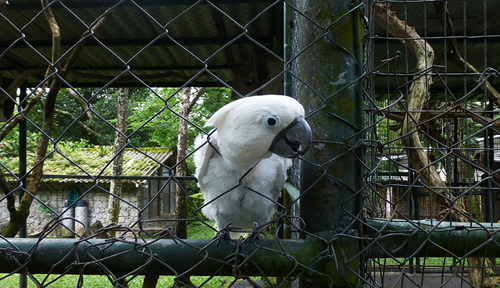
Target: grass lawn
92	281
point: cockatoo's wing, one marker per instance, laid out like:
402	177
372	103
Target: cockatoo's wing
206	146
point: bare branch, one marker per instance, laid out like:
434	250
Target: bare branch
80	101
83	125
430	115
56	33
195	98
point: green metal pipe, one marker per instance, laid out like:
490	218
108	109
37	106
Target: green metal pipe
22	152
23	279
162	257
311	258
431	238
287	50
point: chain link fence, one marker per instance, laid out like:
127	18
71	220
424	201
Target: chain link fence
431	91
399	188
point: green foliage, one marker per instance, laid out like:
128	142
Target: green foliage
9	147
70	146
103	150
155	120
200	230
198	202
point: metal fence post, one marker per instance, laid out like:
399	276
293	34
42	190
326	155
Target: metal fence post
23	279
329	68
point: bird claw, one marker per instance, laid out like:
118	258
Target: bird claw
224	233
255	235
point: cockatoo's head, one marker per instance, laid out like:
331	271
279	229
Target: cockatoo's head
253	128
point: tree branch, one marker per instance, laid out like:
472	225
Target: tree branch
430	115
82	124
19	217
6	190
195	98
56	33
80	101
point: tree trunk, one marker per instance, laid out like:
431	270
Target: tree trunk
181	168
115	189
18	216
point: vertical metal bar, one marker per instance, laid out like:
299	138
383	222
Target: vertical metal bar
23	280
287	49
490	163
329	63
414	194
490	200
287	90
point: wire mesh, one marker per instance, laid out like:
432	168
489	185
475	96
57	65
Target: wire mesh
431	76
407	177
82	60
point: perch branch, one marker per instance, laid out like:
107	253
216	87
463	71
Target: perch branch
56	33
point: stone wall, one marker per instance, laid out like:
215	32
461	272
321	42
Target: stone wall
53	194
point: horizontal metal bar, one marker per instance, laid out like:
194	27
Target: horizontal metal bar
156	83
394	238
293	192
121	177
432	238
147	3
165	41
438	39
194	67
161	257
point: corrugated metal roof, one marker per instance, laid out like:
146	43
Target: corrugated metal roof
163	43
97	161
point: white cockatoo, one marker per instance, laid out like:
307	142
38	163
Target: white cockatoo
241	165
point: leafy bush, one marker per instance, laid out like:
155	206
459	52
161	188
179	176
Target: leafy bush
9	148
198	202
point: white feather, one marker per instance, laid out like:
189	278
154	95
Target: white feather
239	177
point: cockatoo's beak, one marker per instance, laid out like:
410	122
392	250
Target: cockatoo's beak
294	140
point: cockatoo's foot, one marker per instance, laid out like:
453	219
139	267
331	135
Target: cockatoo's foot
225	233
255	235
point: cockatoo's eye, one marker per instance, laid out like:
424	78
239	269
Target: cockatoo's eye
272	122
